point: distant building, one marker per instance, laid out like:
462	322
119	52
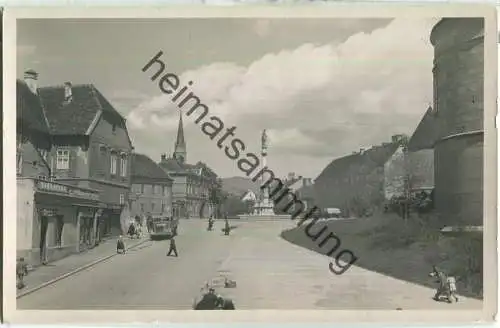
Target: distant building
282	202
49	212
151	189
421	152
249	196
193	184
91	150
305	192
459	103
363	181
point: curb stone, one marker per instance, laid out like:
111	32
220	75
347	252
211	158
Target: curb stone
68	274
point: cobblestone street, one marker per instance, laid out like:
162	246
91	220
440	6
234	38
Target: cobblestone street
270	272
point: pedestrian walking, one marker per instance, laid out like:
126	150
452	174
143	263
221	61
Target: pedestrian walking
120	246
173	247
149	223
21	272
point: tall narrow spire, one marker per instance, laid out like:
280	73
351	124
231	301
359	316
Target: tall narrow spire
180	152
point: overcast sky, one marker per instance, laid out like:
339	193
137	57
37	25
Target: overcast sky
322	87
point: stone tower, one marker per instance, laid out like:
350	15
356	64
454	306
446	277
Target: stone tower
458	103
180	151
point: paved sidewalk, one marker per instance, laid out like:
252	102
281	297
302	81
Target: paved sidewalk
45	273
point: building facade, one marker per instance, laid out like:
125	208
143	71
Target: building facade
459	103
193	184
48	211
151	189
91	149
363	181
421	152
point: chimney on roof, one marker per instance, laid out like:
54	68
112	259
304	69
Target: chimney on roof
306	182
399	139
31	80
68	94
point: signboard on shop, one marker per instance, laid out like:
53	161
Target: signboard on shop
48	212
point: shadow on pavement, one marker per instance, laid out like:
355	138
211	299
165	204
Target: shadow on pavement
410	263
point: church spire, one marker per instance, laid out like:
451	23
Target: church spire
180	152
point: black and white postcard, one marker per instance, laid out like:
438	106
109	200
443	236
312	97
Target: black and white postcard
313	163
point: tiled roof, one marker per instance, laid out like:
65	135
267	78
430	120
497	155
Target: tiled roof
426	133
145	167
29	109
366	161
339	164
172	165
379	155
75	117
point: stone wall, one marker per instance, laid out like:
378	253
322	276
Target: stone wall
421	168
459	181
394	175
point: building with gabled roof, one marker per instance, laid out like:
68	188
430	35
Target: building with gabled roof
362	181
248	195
151	193
194	184
92	149
49	211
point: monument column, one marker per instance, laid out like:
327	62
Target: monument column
266	207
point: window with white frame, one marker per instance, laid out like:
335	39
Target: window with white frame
43	153
62	159
123	167
113	163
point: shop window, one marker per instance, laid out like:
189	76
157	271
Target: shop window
59	229
62	159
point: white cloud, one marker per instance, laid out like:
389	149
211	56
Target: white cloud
290	139
385	73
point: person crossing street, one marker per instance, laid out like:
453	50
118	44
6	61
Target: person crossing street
120	246
173	247
227	228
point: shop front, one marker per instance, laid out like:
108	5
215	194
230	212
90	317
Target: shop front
48	220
